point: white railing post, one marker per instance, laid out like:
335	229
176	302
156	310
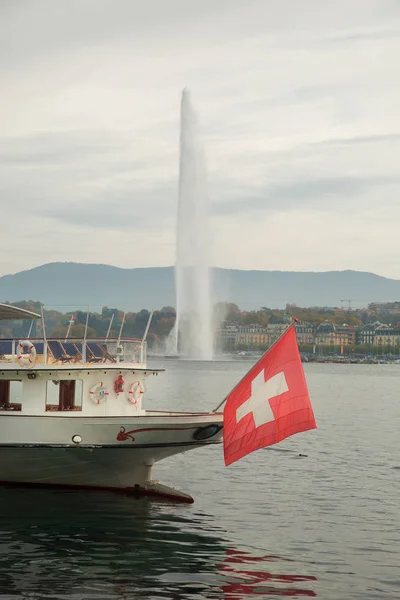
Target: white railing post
44	338
85	337
143	345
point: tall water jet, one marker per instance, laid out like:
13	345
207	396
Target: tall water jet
193	329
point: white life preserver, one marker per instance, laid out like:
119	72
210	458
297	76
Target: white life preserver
98	393
136	391
23	361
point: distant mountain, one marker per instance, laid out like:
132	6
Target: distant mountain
76	284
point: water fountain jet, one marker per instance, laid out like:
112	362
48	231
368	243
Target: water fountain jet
193	331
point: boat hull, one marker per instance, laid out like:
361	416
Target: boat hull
114	453
90	469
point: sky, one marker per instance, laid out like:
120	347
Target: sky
298	108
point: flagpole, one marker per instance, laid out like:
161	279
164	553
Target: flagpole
295	320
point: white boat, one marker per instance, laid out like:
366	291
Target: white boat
72	415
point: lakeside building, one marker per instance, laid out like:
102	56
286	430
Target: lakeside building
253	336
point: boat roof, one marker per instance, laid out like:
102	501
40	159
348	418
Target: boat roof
8	311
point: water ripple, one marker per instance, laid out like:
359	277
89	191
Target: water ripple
273	525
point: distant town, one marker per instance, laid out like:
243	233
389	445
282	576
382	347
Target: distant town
321	331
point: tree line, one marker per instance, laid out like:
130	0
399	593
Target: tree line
57	323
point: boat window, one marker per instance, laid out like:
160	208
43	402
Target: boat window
64	394
10	395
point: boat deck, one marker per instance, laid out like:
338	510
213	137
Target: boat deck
42	353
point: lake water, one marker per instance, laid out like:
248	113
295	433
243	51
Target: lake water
274	524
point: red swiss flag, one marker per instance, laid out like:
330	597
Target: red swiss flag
270	403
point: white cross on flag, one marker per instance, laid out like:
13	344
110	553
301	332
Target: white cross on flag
270	403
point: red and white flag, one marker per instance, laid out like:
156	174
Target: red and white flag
270	403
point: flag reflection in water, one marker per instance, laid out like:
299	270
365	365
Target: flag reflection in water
244	579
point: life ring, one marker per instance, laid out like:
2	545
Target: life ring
136	391
31	360
98	393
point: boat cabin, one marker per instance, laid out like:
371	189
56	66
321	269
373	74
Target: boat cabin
82	377
92	377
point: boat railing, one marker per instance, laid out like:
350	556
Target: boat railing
56	351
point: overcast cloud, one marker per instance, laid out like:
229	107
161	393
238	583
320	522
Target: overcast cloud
299	110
